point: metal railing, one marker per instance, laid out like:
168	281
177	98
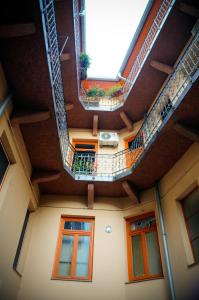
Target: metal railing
108	103
110	167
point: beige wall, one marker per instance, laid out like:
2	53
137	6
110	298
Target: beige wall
16	194
76	133
110	261
178	182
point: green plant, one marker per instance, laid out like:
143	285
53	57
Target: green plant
84	61
96	92
115	91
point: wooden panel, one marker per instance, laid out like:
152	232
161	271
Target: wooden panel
22	117
126	120
161	67
130	192
44	176
90	195
95	124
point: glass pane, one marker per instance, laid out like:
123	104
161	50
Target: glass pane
75	225
143	223
195	244
194	226
191	203
82	256
3	163
154	261
65	260
138	263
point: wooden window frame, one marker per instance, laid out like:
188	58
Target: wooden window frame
141	232
74	233
9	163
187	224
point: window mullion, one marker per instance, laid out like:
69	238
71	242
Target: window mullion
74	256
144	249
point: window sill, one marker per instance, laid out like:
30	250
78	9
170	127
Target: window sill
144	279
70	279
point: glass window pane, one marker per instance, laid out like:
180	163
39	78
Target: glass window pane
194	226
75	225
154	261
82	256
195	244
191	203
3	163
65	260
138	263
143	223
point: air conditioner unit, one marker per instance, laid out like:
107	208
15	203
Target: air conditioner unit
108	139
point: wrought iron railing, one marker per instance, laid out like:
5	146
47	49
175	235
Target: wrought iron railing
107	103
110	167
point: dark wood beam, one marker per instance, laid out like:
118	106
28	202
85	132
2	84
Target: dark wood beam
161	67
95	124
90	195
130	192
16	30
187	131
24	117
189	9
126	120
40	175
65	56
69	106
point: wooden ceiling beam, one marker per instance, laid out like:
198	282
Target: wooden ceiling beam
24	117
95	124
126	120
69	106
189	9
187	131
161	67
130	192
65	56
90	195
17	30
40	175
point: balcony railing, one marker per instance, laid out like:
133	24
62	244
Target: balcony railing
110	167
107	103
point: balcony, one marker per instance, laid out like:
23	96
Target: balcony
113	103
113	167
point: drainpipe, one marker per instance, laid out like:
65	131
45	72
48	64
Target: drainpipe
165	244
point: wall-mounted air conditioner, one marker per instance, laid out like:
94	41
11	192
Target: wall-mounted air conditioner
108	139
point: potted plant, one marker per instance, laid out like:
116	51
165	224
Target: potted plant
84	61
96	92
115	91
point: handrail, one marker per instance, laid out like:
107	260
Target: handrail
110	167
107	103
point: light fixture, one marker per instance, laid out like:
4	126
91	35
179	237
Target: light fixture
108	229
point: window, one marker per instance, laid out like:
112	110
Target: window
142	248
84	158
4	163
191	213
21	239
135	145
74	249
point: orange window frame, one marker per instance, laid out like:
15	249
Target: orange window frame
187	224
141	232
76	234
132	156
86	142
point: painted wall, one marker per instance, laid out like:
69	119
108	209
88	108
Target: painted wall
16	195
76	133
178	182
110	262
